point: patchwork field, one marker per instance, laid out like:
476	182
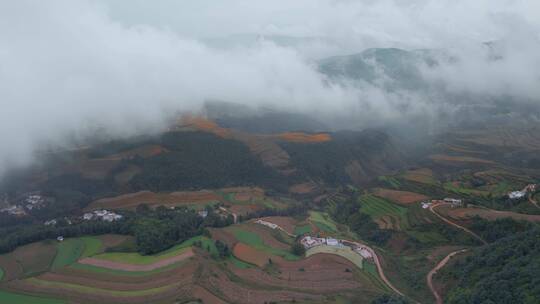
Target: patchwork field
261	242
423	176
466	213
238	200
387	215
400	197
260	269
459	159
322	222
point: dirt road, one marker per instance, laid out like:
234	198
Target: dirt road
476	236
433	271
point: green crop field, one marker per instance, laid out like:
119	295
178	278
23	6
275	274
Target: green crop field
322	222
377	207
138	259
428	237
463	191
391	181
95	290
254	240
92	246
238	263
96	269
299	230
345	252
373	274
8	297
68	252
1	274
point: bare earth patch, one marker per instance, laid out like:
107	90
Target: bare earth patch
287	223
463	213
132	200
251	255
401	197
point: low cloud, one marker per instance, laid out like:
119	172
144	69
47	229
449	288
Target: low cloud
68	67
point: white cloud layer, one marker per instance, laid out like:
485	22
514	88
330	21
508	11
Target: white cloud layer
66	66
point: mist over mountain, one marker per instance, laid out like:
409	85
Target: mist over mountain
126	67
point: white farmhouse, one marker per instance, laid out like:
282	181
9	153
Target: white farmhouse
332	242
516	194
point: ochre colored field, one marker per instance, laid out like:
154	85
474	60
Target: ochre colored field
203	124
424	176
401	197
460	159
304	137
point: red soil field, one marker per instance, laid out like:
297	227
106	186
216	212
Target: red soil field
251	255
180	270
121	285
303	188
224	236
12	269
465	213
321	273
287	223
132	200
401	197
35	257
266	235
244	209
133	267
304	137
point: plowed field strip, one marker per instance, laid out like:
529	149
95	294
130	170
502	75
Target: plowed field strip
133	267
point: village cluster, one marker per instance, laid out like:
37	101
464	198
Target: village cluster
103	215
521	193
454	202
310	242
30	202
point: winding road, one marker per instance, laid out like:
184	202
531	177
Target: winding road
433	271
432	209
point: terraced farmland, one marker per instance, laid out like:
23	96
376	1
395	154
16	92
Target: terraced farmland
323	222
345	252
255	241
387	214
8	297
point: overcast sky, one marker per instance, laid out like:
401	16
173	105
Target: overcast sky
66	66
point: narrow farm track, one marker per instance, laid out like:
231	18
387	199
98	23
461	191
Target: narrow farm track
476	236
433	271
533	201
